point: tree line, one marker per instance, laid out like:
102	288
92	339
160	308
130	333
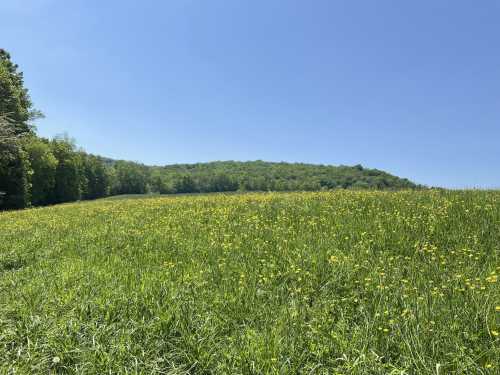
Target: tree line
266	176
36	171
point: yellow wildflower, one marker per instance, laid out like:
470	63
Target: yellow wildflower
492	279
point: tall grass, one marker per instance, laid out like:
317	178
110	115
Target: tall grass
316	283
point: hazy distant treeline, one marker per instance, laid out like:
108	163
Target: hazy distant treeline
36	171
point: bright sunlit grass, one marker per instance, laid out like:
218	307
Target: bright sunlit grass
341	282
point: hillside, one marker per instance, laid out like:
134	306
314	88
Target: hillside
264	176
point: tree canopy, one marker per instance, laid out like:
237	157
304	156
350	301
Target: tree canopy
15	102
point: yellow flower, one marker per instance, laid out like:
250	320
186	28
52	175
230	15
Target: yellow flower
333	259
494	333
497	308
492	279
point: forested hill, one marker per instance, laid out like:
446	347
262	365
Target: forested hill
263	176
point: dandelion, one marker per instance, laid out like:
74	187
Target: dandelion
492	279
333	259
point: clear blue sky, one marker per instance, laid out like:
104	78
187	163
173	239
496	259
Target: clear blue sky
411	87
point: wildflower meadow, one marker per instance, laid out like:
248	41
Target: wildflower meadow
339	282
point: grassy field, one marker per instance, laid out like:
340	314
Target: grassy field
314	283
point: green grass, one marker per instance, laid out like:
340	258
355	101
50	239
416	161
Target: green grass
313	283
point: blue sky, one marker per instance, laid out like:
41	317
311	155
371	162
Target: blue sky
411	87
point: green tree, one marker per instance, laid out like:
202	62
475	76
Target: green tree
222	182
15	170
16	111
15	102
68	184
130	178
97	177
185	184
160	183
44	165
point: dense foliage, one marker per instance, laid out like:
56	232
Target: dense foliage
266	176
37	171
341	282
14	98
14	167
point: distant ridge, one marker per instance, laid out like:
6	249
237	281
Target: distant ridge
260	175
